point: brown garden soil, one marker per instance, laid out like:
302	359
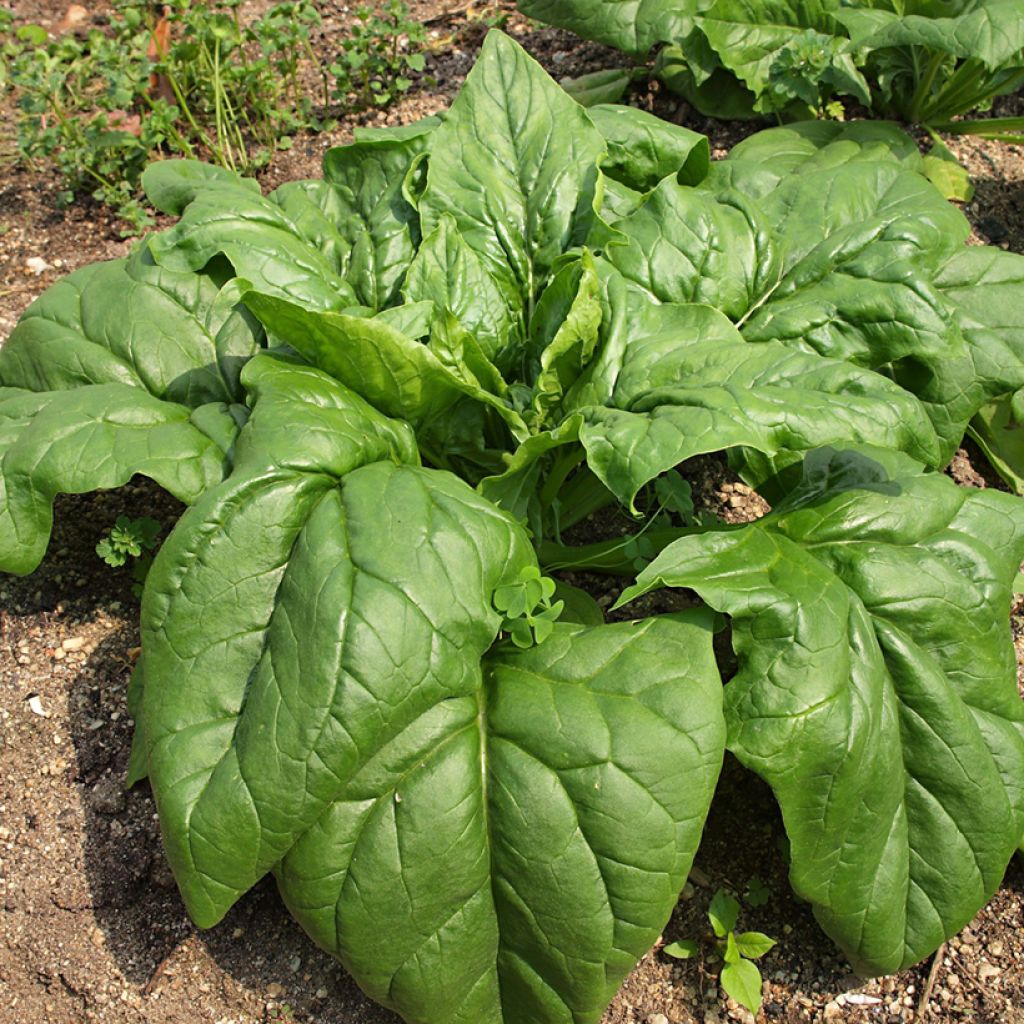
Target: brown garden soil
91	926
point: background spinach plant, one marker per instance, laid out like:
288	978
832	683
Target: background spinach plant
482	328
924	62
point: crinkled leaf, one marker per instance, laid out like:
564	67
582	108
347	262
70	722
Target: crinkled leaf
826	261
366	205
985	286
643	149
690	385
172	184
631	25
447	272
176	335
515	164
877	691
992	32
89	438
565	329
263	244
750	36
509	856
395	373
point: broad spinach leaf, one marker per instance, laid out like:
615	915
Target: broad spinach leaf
886	719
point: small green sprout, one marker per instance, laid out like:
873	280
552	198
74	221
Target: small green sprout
740	977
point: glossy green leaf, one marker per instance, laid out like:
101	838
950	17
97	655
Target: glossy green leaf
753	945
887	722
723	913
992	32
490	864
263	244
630	25
498	166
99	436
448	273
643	149
175	335
682	950
686	383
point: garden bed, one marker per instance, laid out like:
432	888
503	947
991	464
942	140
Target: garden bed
93	928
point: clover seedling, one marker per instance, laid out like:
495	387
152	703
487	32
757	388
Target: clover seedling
529	614
740	977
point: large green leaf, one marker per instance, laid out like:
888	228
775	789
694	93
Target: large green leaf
991	31
93	437
748	37
515	165
176	335
680	380
835	259
262	242
447	272
631	25
643	149
509	856
363	200
318	701
876	691
397	374
986	286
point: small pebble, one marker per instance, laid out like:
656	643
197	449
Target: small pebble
73	643
833	1010
657	1018
274	990
986	972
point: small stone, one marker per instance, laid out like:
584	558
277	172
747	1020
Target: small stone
657	1018
986	972
953	980
73	643
238	933
37	265
833	1010
995	948
274	990
294	964
107	797
96	937
59	654
36	707
321	993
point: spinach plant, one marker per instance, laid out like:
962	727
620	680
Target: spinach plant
923	61
384	395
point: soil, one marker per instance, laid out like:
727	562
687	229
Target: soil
92	928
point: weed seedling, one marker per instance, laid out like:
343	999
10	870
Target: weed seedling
740	977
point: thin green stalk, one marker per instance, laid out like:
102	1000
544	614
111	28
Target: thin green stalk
218	113
985	127
922	94
564	464
606	556
960	93
581	497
